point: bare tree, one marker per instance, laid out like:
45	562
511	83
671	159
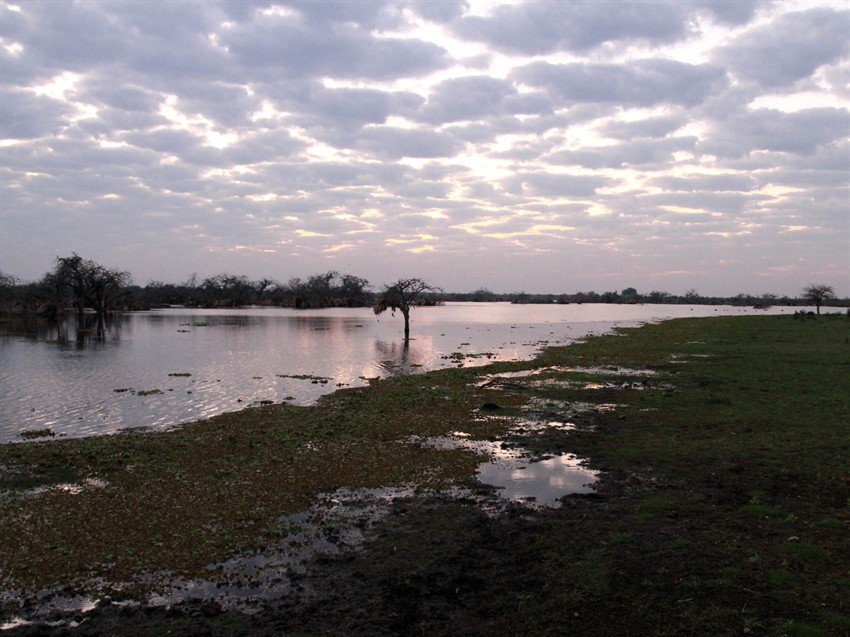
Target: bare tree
88	284
354	290
261	286
402	296
68	280
8	281
106	288
817	294
227	290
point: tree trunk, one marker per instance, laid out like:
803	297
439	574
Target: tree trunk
817	306
406	324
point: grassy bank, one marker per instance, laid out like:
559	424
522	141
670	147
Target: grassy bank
724	506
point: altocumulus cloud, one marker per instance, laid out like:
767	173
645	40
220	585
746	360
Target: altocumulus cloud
534	145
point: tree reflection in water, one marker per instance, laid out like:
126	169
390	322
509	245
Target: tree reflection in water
79	332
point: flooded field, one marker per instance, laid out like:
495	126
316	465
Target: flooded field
159	368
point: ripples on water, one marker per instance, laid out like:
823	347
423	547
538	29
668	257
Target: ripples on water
63	376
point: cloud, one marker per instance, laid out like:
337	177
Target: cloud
517	137
651	127
440	12
706	182
394	143
734	13
541	27
557	185
800	132
27	115
641	152
640	83
789	48
473	98
287	46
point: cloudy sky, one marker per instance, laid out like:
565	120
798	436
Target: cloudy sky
536	146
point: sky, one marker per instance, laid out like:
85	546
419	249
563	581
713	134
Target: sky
537	146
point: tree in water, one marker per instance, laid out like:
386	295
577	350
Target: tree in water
817	294
87	284
402	296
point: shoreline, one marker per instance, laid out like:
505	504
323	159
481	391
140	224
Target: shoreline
361	439
98	394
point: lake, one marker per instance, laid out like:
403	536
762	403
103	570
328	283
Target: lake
163	367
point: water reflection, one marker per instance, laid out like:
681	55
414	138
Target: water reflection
77	331
63	374
541	483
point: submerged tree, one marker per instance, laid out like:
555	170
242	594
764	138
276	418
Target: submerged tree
87	284
817	294
402	296
106	288
227	290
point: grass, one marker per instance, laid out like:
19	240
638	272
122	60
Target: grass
724	506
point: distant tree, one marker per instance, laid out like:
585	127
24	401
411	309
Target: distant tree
261	286
227	290
482	294
87	284
629	294
320	289
817	294
8	281
67	280
403	295
106	288
354	291
765	301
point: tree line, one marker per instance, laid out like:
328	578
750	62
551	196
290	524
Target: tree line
75	284
331	289
811	295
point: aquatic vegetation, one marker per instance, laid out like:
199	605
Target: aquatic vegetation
310	377
148	392
29	434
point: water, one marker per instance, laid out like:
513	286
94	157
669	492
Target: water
64	378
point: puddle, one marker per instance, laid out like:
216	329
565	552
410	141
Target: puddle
609	371
489	379
567	409
53	610
73	488
492	380
338	522
520	478
539	484
520	374
533	426
684	358
581	385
